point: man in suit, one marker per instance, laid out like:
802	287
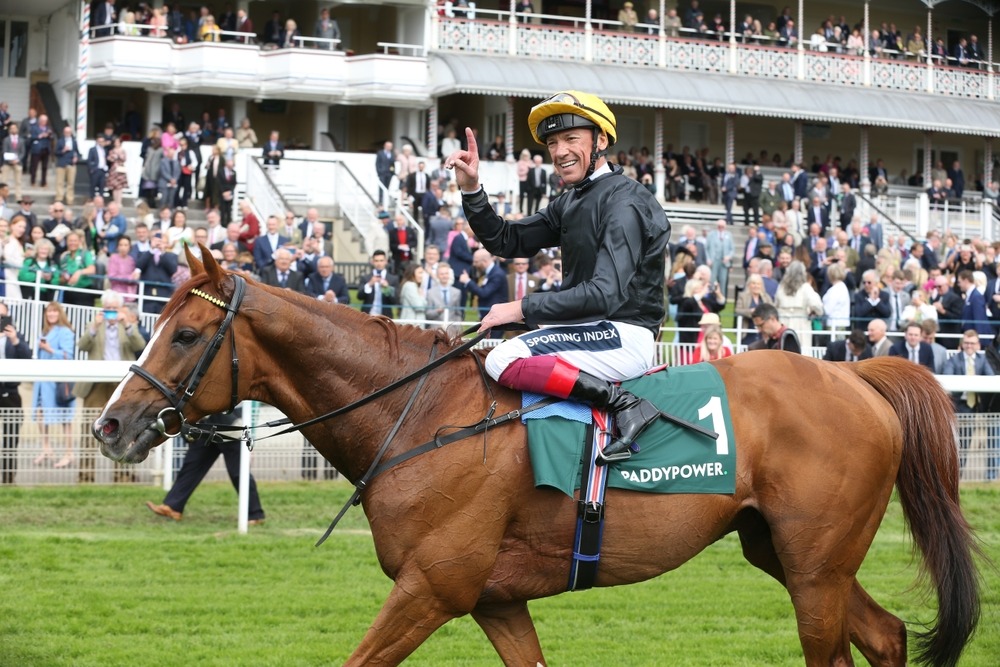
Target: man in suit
750	248
326	285
871	302
854	348
265	246
949	306
380	288
227	191
15	150
730	189
880	343
537	182
818	214
417	185
520	283
97	166
156	268
169	177
402	243
968	362
232	236
847	205
444	300
67	155
899	299
460	255
273	150
751	197
490	288
326	28
800	181
858	240
104	18
974	314
878	170
719	254
15	346
244	25
280	274
928	331
120	325
992	297
385	167
913	348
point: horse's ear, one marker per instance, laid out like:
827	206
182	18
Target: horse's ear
209	265
197	268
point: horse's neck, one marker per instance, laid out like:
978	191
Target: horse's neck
307	365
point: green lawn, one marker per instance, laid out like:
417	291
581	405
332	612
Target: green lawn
90	577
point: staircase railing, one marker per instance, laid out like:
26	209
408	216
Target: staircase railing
264	194
890	220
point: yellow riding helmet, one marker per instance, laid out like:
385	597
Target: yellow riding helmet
568	109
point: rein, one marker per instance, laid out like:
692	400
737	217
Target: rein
186	389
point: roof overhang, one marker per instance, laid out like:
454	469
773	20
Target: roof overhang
721	93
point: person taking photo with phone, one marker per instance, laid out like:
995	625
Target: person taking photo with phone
603	321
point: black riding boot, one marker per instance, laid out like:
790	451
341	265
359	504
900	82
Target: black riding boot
632	414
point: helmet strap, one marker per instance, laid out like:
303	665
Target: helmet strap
594	154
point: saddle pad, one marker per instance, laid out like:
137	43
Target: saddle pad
672	459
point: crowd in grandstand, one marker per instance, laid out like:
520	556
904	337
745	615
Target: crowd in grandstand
832	34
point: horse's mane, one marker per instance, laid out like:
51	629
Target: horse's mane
395	333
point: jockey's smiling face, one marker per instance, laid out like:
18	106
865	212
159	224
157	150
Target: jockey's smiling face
570	152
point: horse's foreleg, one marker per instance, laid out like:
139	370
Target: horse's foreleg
409	616
511	632
880	636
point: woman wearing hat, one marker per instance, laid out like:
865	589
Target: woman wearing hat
628	17
613	236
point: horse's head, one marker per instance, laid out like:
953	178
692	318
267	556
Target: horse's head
177	379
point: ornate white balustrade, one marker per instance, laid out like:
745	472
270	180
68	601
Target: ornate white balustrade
576	43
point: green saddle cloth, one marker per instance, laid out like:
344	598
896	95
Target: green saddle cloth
672	459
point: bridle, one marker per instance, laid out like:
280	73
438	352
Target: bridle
185	390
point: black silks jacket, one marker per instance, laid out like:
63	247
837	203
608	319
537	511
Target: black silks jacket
613	236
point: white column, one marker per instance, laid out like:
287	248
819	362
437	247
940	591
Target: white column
588	30
512	45
797	151
238	112
432	129
866	77
928	160
733	63
321	125
801	66
508	129
987	162
863	161
154	109
930	48
83	71
730	139
659	171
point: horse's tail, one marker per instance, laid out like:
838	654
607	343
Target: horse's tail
927	483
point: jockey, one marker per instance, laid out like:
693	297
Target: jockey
601	326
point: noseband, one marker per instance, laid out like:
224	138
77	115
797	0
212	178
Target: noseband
179	397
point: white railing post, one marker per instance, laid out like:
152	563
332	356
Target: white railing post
244	490
923	215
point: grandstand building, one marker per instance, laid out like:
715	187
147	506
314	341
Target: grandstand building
402	68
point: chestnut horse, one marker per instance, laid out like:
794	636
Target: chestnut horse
819	447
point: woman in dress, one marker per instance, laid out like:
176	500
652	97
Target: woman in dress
797	302
43	268
524	165
57	342
245	135
179	234
212	166
837	300
754	295
121	269
412	296
712	346
117	179
13	255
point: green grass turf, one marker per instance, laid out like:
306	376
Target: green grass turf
88	576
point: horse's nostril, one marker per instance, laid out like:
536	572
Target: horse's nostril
109	427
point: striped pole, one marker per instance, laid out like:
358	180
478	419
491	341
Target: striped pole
432	129
81	93
508	129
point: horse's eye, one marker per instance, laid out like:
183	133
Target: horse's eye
185	337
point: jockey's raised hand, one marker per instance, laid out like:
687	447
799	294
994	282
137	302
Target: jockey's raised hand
466	164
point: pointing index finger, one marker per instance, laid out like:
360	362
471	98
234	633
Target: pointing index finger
470	141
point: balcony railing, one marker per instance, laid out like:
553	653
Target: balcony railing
569	38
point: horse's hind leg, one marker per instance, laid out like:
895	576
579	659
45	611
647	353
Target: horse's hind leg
510	630
880	636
